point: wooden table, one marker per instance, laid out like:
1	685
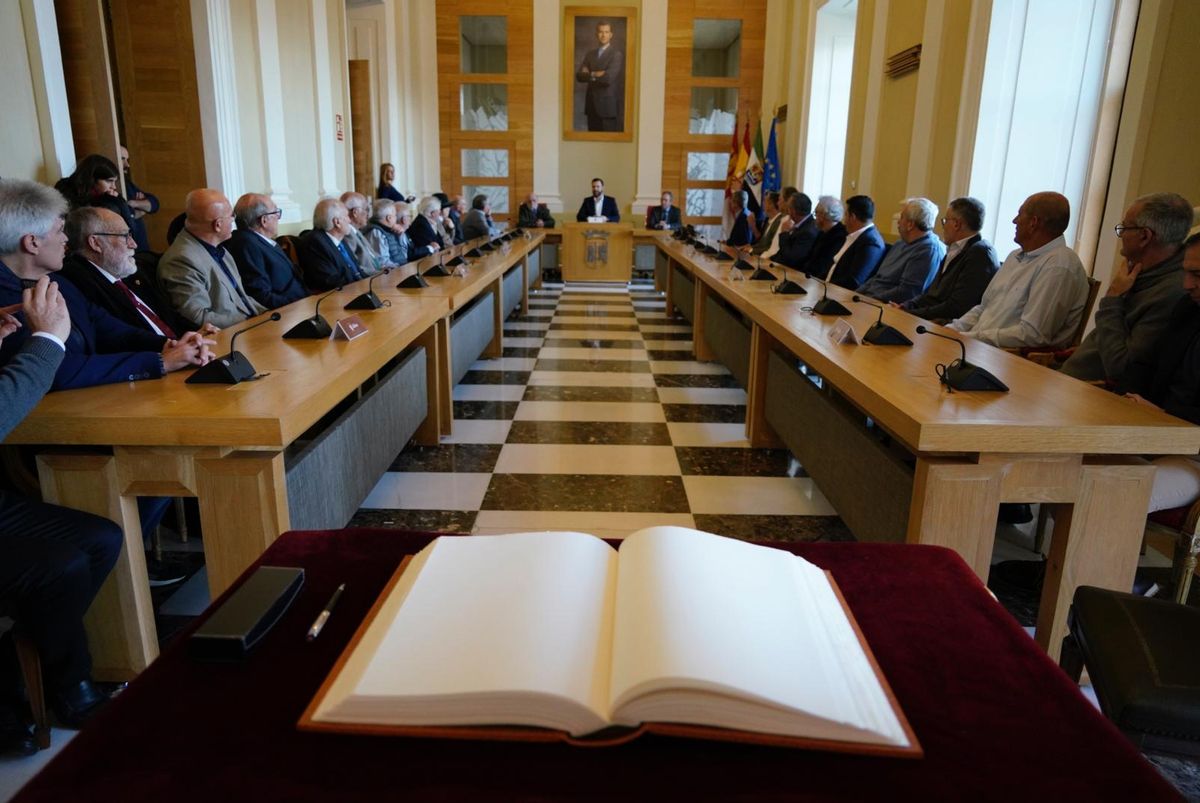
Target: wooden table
1051	439
225	444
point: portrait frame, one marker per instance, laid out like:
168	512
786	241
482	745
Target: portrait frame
579	39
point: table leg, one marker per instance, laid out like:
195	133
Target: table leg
445	373
495	348
430	431
525	285
699	342
243	508
954	505
120	623
760	434
670	289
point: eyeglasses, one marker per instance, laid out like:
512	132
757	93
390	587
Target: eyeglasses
275	213
126	235
1121	228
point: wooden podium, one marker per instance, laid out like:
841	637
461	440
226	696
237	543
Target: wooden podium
597	252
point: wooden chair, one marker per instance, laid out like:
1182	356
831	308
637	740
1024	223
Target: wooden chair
1181	524
290	245
1053	358
31	673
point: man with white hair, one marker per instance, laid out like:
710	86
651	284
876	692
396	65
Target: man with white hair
424	229
359	208
198	275
828	214
909	265
386	235
268	274
325	258
102	267
1038	295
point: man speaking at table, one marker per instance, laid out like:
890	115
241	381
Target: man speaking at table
598	205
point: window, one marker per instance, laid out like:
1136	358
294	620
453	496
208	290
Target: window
497	195
716	48
483	44
829	102
485	162
713	110
484	107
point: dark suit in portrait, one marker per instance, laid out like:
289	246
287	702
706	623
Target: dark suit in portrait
605	93
959	283
588	209
267	274
860	260
796	244
654	217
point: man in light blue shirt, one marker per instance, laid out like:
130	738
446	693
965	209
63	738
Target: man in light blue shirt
910	264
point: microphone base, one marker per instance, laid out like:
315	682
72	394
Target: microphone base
487	247
827	306
880	334
789	288
962	375
723	257
437	270
742	264
314	328
763	275
228	370
474	253
367	300
454	263
414	281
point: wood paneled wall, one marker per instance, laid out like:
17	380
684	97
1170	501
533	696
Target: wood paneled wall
518	139
160	107
681	15
85	72
362	126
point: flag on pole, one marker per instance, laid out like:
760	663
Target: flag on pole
732	181
771	180
753	180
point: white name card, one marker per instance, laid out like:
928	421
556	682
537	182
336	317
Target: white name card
843	332
597	219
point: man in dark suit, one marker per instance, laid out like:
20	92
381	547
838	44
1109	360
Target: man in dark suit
863	250
533	215
796	244
325	257
598	205
100	349
267	274
102	267
665	216
603	70
53	559
742	232
424	230
832	237
966	270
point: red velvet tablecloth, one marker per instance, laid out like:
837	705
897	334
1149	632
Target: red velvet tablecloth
997	719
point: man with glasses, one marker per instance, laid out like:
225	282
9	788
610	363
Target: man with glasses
1142	291
966	269
102	267
267	273
198	274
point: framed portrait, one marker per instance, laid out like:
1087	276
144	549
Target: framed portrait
599	71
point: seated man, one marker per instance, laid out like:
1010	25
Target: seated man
53	560
325	258
1167	376
359	210
424	229
1038	296
198	275
966	270
797	242
478	222
1141	293
267	273
863	250
532	215
743	229
832	236
102	267
100	348
386	234
598	205
769	240
664	217
909	265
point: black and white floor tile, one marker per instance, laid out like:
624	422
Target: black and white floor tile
596	418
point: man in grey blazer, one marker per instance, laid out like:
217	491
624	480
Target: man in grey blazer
478	222
198	275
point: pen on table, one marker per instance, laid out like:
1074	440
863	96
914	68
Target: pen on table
323	617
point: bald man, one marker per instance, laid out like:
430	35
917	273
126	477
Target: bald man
1038	295
198	275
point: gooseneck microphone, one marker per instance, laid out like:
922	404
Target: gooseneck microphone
233	367
787	287
827	306
440	268
960	374
369	300
880	334
313	328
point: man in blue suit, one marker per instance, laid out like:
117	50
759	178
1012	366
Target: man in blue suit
863	250
100	349
664	217
267	274
598	205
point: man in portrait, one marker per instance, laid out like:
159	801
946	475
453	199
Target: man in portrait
603	71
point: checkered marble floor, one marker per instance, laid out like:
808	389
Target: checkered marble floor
597	419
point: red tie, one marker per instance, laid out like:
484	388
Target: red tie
145	310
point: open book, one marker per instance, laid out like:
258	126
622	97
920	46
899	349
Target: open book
681	632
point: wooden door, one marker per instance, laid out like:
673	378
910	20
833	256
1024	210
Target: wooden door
361	126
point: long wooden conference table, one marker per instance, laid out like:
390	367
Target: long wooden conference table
242	449
902	458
